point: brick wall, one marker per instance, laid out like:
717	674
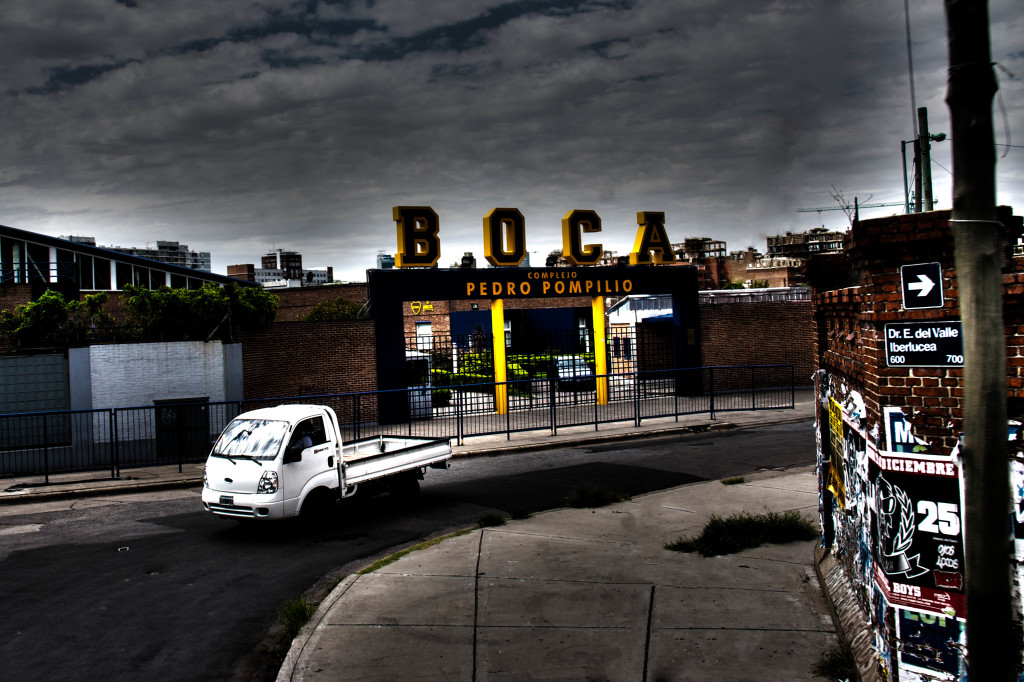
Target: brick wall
856	295
308	358
296	302
13	295
850	321
759	333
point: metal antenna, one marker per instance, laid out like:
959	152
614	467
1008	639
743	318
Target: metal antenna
910	64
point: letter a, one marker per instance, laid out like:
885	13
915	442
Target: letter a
418	243
651	237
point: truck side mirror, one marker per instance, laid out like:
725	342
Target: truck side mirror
293	453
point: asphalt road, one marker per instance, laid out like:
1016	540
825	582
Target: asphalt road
148	586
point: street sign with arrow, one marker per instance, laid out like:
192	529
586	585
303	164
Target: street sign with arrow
922	285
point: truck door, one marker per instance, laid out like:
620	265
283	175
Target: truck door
306	456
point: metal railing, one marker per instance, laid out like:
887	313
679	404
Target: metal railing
46	443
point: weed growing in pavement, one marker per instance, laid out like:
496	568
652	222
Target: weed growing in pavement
294	614
836	663
380	563
488	519
587	496
733	480
744	530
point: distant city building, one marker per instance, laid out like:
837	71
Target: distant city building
165	252
781	271
803	244
467	262
75	265
699	248
282	269
385	261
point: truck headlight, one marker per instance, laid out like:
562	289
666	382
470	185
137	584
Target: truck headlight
268	482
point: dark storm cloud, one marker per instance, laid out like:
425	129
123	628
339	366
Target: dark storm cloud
234	126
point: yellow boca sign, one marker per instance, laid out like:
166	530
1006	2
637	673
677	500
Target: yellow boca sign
504	231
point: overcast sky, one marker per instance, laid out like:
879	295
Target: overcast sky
238	126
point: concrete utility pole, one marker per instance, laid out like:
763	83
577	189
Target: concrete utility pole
993	651
925	149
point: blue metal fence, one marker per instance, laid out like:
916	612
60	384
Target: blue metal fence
45	443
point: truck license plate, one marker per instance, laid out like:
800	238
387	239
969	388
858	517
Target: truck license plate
227	499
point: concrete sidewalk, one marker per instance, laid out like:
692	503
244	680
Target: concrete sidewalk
581	594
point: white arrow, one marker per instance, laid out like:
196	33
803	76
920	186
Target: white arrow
923	285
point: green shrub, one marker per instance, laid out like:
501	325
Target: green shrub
587	496
489	519
294	614
334	310
440	377
744	530
837	663
441	397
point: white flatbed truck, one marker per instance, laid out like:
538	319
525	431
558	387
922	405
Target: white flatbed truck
289	460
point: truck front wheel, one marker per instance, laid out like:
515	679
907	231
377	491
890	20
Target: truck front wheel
318	506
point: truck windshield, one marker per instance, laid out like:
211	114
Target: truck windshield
252	438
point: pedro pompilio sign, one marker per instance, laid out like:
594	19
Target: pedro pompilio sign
504	232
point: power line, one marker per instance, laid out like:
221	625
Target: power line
848	207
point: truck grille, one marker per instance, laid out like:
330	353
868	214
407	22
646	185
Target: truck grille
232	510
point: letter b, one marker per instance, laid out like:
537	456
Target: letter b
418	243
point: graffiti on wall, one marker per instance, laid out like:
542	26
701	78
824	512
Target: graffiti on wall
895	509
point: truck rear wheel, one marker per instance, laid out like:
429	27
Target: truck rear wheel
405	487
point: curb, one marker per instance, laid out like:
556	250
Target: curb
24	496
851	622
584	440
310	632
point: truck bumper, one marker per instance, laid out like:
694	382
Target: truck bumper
242	506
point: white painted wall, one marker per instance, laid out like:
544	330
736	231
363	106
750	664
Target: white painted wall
130	375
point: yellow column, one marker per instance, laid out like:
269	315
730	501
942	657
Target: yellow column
600	349
498	333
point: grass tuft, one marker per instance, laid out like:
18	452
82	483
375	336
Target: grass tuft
733	480
294	614
744	530
836	663
588	496
381	563
489	519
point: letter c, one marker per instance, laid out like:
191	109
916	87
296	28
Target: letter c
572	224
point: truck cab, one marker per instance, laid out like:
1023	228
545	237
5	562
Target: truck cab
268	460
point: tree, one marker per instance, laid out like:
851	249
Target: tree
174	314
333	310
34	322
